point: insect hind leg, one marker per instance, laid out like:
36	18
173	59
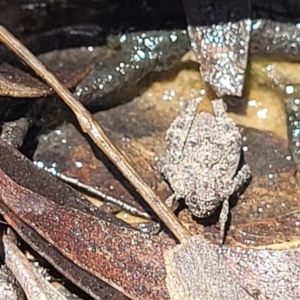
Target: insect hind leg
223	220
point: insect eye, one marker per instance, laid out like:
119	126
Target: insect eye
193	198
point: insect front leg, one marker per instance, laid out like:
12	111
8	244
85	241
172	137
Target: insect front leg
219	108
241	177
172	201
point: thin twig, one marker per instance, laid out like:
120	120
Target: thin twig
131	209
90	126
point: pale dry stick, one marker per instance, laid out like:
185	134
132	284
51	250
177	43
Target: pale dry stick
90	126
131	209
35	286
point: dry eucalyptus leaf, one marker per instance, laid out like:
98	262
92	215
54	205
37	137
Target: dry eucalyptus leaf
195	272
66	151
200	270
268	213
25	174
89	283
70	66
17	83
266	153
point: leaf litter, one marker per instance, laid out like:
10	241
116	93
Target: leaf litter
276	249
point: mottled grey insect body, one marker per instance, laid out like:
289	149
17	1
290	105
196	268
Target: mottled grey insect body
202	157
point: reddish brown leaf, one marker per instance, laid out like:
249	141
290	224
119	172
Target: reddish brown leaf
17	83
268	212
266	153
24	173
83	279
70	66
67	151
118	255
